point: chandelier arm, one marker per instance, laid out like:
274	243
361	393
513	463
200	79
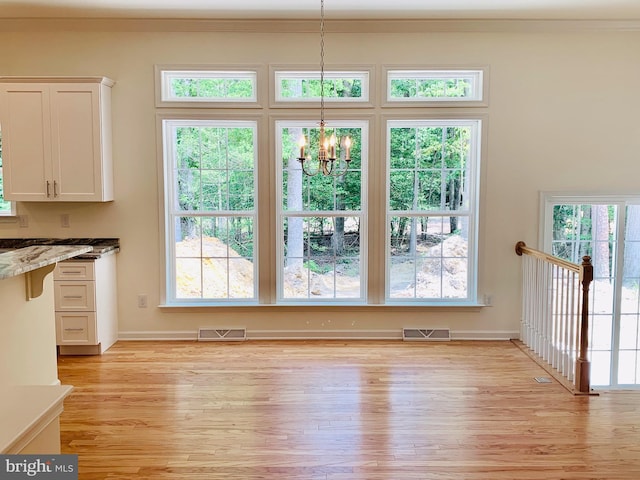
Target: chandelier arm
303	162
339	173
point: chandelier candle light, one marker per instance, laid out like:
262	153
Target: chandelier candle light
327	146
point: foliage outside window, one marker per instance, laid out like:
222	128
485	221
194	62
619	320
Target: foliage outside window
431	209
208	86
434	85
607	230
321	220
338	86
211	216
6	208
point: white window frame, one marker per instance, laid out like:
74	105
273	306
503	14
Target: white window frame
476	123
11	212
281	213
171	212
166	73
477	77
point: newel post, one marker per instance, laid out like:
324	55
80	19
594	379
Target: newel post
583	368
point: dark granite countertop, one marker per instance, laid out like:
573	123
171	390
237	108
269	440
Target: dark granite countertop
101	246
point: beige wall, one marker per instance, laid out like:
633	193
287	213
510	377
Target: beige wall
562	116
27	334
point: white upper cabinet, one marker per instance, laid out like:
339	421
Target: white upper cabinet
56	139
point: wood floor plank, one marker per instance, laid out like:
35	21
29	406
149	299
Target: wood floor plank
336	410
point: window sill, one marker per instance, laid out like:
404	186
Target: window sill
325	306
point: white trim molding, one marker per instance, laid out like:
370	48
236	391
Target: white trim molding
390	334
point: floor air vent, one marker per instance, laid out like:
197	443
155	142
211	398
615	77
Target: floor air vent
426	334
222	334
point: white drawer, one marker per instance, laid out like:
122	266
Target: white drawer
74	271
75	296
75	328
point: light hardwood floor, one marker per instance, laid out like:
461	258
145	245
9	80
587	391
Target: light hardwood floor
338	411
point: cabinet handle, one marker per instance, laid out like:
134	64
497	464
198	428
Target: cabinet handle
55	188
74	329
72	296
65	272
48	192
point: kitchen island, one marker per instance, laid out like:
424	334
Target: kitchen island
31	394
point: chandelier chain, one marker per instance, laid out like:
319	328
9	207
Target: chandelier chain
321	62
328	163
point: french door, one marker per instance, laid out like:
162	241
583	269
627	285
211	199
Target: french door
608	230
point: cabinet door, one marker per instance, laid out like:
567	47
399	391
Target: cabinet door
76	142
25	121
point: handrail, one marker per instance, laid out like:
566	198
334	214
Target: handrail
582	376
521	248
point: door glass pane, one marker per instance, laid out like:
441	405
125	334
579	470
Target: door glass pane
630	300
587	229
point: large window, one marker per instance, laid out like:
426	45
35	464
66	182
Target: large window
431	209
245	225
321	220
210	209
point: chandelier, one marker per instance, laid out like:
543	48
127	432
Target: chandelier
328	164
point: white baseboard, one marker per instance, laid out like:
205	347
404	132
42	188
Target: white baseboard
319	335
159	335
484	334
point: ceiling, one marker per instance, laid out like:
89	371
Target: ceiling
346	9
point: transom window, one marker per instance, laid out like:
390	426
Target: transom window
208	86
434	85
339	86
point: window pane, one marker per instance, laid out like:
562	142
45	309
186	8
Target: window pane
208	86
302	192
215	168
214	257
338	86
429	168
321	258
427	260
434	85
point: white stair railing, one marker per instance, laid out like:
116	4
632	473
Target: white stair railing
555	313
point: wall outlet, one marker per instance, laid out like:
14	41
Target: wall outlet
142	301
23	220
64	220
